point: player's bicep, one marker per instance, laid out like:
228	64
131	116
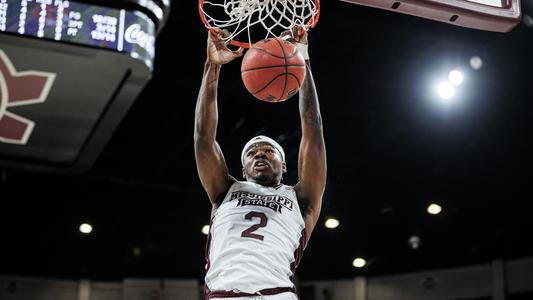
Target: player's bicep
312	168
212	169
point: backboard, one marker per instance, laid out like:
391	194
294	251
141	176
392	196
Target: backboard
490	15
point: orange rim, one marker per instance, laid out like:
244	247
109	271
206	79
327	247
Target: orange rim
311	24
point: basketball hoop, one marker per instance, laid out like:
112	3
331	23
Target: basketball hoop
263	18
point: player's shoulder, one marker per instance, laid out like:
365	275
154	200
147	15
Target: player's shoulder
286	187
243	186
242	183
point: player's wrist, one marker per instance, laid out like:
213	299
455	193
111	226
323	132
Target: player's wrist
302	48
211	63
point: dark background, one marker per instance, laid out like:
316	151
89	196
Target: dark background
391	148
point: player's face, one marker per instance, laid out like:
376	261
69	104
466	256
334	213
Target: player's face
263	164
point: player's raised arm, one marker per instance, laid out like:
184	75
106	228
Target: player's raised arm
210	161
312	155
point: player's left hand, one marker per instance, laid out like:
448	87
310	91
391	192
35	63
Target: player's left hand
296	34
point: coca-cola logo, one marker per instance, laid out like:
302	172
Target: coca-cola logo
135	35
18	89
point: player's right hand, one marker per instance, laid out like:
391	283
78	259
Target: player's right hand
217	51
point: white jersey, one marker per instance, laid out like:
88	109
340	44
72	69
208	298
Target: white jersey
256	240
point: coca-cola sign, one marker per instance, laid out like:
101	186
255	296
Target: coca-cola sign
136	35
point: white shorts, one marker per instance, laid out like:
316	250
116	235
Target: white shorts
281	296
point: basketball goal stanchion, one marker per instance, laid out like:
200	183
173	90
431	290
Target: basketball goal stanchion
248	21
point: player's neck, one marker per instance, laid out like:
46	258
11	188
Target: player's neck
268	183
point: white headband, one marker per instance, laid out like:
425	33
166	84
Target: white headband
262	139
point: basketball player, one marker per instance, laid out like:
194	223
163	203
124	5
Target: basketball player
259	227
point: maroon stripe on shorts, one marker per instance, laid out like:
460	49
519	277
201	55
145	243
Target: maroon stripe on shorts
208	246
230	294
298	253
207	252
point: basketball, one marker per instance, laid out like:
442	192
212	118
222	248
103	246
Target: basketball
273	70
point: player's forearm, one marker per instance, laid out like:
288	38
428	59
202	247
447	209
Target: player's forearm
310	117
312	165
206	116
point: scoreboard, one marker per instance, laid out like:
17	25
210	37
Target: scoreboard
79	23
69	72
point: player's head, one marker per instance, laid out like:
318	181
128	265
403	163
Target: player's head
263	161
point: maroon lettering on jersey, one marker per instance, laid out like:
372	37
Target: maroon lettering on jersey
274	202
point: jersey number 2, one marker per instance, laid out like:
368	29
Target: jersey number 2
249	232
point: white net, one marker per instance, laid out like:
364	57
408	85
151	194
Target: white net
271	16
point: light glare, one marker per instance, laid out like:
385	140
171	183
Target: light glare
476	63
86	228
205	229
445	90
332	223
414	242
434	209
359	262
455	77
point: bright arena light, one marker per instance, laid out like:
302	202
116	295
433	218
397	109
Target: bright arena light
455	77
476	63
434	209
359	262
332	223
205	229
445	90
86	228
414	242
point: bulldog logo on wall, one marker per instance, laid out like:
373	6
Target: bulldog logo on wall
17	89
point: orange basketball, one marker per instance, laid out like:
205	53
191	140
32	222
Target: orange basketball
273	70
